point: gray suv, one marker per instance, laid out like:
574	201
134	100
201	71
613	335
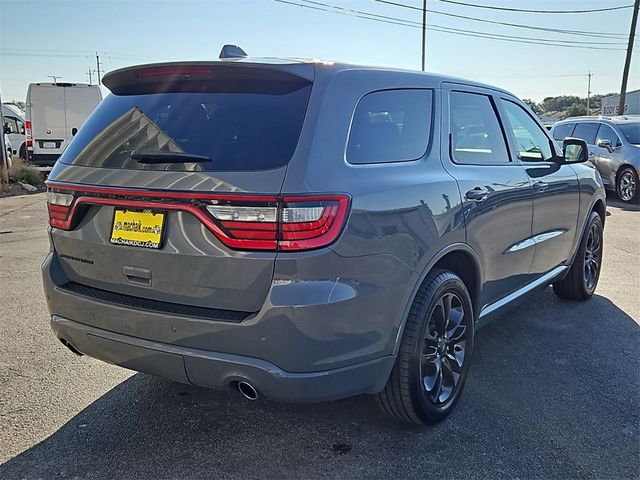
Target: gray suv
614	148
310	231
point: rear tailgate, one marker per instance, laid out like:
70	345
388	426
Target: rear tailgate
48	118
245	119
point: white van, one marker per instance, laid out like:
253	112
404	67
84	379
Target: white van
13	119
55	112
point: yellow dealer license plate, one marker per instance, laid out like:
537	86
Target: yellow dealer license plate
137	228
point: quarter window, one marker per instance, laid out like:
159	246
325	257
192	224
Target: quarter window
476	136
605	132
560	132
586	131
532	143
391	126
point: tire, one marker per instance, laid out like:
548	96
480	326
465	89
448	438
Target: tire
627	185
434	356
582	279
23	152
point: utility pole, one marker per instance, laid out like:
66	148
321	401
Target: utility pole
55	78
424	33
627	63
589	93
98	67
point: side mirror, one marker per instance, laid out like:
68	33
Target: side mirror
605	144
575	150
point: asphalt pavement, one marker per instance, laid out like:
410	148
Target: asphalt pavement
554	392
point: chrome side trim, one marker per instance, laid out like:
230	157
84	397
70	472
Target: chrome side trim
542	281
531	241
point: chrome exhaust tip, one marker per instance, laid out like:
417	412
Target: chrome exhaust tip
247	390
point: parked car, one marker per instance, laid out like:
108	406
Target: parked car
310	230
9	150
14	125
55	112
614	148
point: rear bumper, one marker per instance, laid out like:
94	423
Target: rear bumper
42	159
221	370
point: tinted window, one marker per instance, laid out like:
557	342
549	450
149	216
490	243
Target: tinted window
587	132
605	132
560	132
237	130
390	126
532	142
631	131
476	136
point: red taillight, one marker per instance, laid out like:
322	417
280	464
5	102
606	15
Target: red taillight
27	131
312	222
173	70
60	205
241	222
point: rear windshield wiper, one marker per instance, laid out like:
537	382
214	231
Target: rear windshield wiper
165	156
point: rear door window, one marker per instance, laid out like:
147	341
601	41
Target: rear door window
391	126
560	132
586	131
605	132
237	129
476	136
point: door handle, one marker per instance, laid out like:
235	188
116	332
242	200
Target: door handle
540	186
478	194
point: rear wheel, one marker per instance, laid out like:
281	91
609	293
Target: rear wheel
582	279
627	185
433	360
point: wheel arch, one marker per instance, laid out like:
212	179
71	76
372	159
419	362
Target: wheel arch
459	258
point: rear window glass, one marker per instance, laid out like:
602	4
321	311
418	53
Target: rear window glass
244	130
560	132
391	126
631	131
587	132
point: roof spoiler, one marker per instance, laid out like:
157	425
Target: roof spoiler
232	51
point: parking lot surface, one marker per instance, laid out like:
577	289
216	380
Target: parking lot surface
554	392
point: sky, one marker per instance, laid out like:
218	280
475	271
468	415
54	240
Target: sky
60	37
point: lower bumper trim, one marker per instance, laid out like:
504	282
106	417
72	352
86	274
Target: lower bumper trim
219	370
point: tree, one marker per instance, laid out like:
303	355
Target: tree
537	109
576	110
18	103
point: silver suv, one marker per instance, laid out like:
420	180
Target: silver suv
614	148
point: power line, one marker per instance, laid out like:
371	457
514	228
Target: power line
526	10
508	24
315	5
359	13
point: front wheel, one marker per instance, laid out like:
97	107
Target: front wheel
627	185
434	355
582	278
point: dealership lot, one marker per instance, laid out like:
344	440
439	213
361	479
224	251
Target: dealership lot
554	392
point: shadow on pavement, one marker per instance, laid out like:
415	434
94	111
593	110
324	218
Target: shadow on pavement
553	393
614	201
